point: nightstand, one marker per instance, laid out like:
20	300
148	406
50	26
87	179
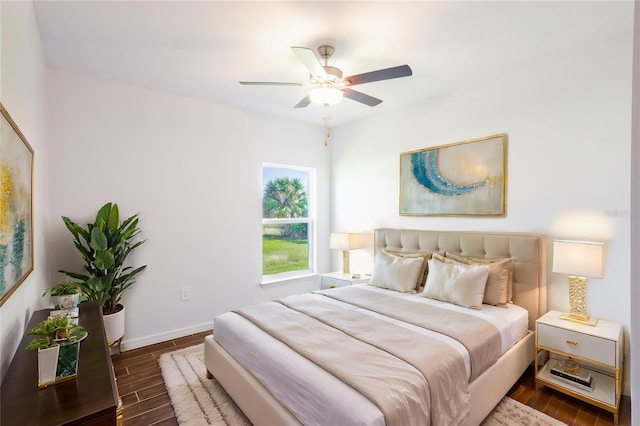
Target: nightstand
338	279
598	349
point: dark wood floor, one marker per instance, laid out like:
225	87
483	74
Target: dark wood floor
147	403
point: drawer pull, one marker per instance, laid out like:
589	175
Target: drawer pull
572	342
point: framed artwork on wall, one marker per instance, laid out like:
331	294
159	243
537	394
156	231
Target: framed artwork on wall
16	207
459	179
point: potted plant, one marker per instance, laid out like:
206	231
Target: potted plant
57	340
104	246
65	295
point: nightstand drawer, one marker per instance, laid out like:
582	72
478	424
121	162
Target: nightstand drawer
333	283
339	279
577	344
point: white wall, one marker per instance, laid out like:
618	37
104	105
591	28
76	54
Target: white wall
22	92
192	170
568	126
635	219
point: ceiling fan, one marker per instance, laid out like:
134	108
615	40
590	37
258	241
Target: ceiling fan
328	84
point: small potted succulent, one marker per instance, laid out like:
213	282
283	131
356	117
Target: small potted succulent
57	340
65	294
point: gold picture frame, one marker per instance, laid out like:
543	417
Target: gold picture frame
16	206
465	178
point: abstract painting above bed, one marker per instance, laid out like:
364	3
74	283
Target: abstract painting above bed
459	179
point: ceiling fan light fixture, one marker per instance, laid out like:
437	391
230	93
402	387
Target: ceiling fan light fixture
325	96
327	82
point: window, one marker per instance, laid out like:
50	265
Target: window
287	222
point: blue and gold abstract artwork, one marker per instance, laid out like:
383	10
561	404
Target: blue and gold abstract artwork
463	178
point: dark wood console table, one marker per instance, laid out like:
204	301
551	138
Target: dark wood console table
91	399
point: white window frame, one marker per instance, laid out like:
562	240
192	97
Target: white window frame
309	220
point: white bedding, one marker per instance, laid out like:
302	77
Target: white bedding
307	390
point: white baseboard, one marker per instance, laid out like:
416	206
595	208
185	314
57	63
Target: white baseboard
129	344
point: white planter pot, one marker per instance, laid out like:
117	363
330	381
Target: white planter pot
58	363
114	327
47	365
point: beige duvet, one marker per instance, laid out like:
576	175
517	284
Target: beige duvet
411	377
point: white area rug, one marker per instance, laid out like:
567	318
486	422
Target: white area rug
199	401
510	412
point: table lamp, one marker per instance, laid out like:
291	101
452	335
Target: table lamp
345	242
578	259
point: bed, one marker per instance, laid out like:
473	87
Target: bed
252	351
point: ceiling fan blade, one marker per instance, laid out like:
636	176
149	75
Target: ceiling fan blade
304	102
268	83
310	60
384	74
354	95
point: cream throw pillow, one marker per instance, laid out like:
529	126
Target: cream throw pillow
396	272
499	283
423	271
456	283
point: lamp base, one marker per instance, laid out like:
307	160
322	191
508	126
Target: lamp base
580	319
578	301
345	262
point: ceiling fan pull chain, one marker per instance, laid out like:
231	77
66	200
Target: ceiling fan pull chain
327	132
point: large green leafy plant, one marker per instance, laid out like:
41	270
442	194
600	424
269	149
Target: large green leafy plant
104	246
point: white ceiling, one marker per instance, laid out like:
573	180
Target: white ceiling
203	48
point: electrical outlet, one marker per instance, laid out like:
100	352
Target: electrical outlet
185	293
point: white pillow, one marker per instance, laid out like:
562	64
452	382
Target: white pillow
456	283
500	281
423	271
396	272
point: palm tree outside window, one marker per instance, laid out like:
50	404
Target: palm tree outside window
287	222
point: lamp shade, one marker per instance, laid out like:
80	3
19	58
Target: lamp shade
580	258
325	96
345	241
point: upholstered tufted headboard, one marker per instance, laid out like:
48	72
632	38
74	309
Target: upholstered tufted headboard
528	252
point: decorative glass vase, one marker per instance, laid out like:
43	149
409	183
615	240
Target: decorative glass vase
68	303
